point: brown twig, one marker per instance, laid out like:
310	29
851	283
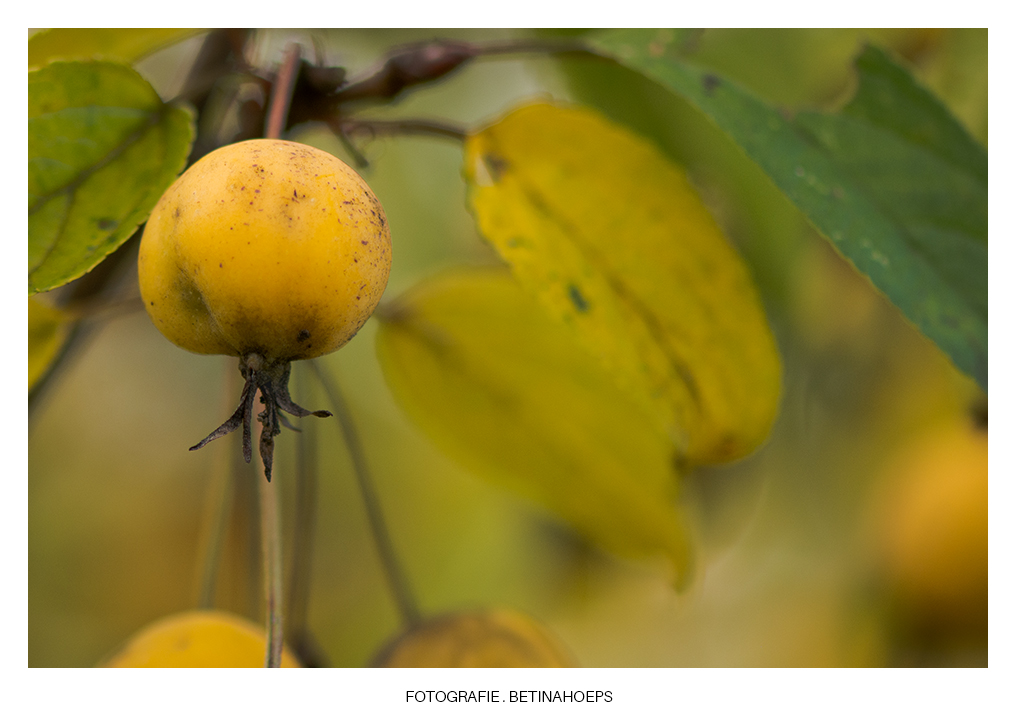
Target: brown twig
427	62
268	498
322	97
282	92
410	126
398	583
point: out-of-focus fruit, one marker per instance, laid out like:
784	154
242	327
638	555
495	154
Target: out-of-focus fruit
494	638
934	527
200	638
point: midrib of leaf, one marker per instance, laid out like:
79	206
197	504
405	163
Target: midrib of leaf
70	187
656	328
629	299
153	120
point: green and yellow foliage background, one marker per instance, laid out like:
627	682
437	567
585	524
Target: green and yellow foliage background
802	555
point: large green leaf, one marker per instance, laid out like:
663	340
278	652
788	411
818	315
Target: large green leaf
614	240
893	180
127	44
483	369
102	147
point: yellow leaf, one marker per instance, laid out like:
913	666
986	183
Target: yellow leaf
613	239
484	370
47	331
201	638
494	638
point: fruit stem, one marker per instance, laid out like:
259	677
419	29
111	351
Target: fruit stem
398	583
272	558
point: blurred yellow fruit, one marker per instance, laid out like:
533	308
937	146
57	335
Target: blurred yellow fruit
494	638
201	638
934	526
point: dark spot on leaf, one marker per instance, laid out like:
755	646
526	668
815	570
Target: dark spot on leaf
578	301
710	83
107	224
303	335
495	165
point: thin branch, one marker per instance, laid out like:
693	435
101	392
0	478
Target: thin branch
548	46
272	561
282	92
150	122
405	126
398	583
221	53
373	128
427	62
337	128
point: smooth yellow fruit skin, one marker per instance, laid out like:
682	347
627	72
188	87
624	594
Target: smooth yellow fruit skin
493	638
265	246
198	639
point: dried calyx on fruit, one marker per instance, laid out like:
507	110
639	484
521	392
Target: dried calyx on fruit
270	251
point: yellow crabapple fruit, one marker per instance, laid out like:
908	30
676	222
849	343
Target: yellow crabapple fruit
485	638
271	251
201	638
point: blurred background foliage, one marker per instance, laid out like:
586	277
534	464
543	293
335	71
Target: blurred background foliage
857	535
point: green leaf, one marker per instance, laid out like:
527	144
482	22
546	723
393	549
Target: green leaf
489	376
611	237
893	181
102	147
127	44
47	331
